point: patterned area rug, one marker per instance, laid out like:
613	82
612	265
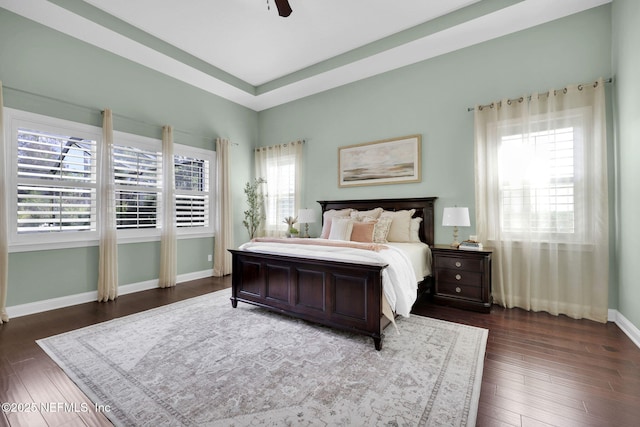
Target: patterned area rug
201	362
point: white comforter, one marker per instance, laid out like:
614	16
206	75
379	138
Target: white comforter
398	279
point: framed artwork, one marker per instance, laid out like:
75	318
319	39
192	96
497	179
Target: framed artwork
390	161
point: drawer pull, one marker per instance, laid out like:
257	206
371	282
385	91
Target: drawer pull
458	290
458	277
458	264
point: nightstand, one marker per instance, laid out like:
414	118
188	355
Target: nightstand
462	278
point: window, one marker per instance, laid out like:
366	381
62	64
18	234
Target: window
280	166
280	189
541	187
54	175
192	199
137	172
537	180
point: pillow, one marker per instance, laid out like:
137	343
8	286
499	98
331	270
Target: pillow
366	215
363	231
414	230
381	230
341	228
400	224
326	220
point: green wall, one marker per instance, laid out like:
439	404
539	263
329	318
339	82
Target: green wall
431	98
626	62
54	66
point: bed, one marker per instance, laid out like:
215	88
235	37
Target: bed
346	295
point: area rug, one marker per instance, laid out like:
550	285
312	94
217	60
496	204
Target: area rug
201	362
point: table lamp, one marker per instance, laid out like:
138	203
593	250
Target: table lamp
306	216
455	217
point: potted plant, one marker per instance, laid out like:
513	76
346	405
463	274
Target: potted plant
255	199
291	230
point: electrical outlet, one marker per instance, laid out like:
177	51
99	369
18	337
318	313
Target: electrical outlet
209	257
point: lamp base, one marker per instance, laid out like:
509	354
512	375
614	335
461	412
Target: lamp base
455	242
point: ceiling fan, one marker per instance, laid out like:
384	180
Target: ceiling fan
284	9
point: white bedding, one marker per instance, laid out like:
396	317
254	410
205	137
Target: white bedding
399	281
420	256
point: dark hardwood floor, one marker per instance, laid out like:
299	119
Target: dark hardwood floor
539	369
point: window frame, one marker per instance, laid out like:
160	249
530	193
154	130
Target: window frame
210	156
14	120
133	235
571	118
276	195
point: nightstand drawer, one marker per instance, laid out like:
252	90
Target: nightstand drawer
459	276
459	290
459	263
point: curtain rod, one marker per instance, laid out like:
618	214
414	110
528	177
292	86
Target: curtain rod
609	80
96	110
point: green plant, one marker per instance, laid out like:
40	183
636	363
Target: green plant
291	230
255	199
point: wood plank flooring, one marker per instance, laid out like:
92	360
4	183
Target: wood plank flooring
539	370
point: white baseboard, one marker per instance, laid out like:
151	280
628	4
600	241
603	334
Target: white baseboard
66	301
625	325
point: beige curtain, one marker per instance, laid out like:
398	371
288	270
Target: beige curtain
542	202
168	239
281	166
4	237
108	263
224	211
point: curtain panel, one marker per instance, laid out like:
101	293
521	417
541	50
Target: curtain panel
542	202
4	230
280	166
224	210
108	262
168	238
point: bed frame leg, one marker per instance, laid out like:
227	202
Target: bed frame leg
378	343
234	302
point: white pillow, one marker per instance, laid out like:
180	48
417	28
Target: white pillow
341	228
400	225
326	219
414	229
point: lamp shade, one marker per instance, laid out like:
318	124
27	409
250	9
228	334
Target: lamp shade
456	217
306	216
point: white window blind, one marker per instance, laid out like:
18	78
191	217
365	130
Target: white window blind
56	182
541	182
137	174
192	192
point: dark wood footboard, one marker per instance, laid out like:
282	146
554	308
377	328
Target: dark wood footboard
340	295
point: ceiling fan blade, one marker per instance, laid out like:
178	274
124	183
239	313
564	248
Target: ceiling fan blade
283	7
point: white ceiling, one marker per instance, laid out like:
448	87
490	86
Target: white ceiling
244	39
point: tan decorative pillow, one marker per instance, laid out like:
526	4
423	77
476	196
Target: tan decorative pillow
400	225
364	215
328	215
381	230
363	231
341	228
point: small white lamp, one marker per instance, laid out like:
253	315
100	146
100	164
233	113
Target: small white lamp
455	217
306	216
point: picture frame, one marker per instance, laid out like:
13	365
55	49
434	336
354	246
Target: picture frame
388	161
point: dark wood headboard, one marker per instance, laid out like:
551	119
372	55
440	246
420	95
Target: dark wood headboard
423	206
